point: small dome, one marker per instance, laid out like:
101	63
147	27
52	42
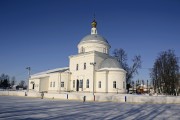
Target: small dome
94	37
110	63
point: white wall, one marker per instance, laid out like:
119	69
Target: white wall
55	79
101	76
101	97
53	82
81	73
36	82
65	77
109	77
44	84
88	47
119	77
20	93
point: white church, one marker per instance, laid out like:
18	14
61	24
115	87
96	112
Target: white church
92	70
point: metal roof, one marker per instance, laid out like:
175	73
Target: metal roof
94	37
110	63
51	71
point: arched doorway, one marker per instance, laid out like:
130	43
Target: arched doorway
77	85
33	86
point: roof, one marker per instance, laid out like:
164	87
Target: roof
110	63
51	71
94	38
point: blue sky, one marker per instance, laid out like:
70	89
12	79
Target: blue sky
43	33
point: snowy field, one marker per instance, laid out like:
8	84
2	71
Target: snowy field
19	108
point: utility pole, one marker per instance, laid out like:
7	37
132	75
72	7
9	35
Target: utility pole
93	64
29	72
147	87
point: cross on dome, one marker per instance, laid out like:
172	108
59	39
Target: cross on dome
94	23
93	29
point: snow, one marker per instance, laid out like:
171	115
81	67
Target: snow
12	107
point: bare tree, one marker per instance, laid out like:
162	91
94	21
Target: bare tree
22	84
177	86
121	56
13	81
165	73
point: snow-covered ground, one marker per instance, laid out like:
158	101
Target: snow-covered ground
15	108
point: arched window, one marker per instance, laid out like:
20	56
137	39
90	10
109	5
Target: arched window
84	66
53	84
124	85
99	84
114	84
81	84
73	83
82	49
104	50
77	66
62	84
87	83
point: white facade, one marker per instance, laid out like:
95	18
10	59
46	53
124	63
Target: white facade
91	70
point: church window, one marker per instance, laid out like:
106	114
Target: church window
114	84
77	66
84	66
81	84
82	49
124	85
87	83
99	85
104	50
73	83
53	84
62	84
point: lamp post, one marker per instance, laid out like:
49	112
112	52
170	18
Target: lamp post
133	85
147	87
29	69
93	64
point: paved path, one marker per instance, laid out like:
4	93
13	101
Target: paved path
20	108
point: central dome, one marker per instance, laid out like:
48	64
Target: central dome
93	42
94	38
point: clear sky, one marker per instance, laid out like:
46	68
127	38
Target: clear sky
43	33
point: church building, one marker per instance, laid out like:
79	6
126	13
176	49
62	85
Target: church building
92	70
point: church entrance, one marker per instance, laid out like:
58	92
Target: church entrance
33	87
77	85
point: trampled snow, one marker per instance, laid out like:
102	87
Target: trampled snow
15	108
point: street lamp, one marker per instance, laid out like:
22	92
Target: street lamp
147	87
133	85
93	64
29	69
